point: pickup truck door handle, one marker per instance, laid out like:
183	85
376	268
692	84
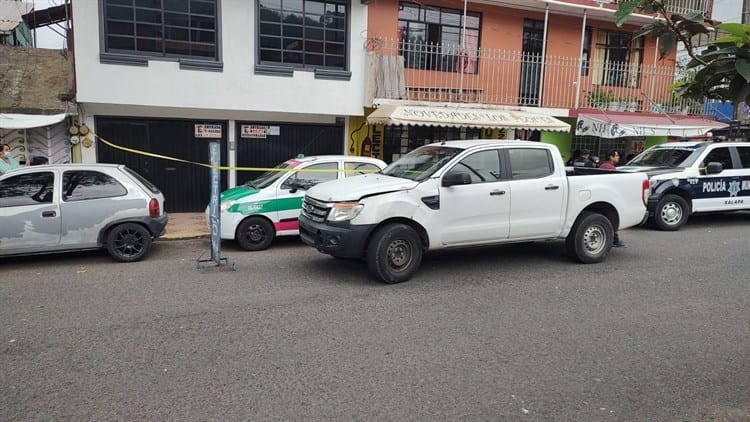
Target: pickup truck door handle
497	192
551	187
48	214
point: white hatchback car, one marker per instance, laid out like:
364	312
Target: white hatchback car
257	211
72	207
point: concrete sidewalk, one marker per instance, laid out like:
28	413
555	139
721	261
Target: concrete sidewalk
186	225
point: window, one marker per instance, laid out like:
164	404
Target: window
161	28
744	153
303	33
719	155
353	168
530	163
430	38
618	59
80	185
482	167
27	189
312	175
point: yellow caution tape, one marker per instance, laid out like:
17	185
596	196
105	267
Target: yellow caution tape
166	157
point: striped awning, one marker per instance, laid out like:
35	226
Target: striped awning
452	116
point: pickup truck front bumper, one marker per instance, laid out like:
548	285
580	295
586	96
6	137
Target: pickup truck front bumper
343	240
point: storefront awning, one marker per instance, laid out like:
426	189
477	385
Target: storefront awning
419	115
28	121
619	125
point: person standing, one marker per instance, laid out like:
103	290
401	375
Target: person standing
584	160
7	163
613	158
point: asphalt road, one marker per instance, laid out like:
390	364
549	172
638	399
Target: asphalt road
659	332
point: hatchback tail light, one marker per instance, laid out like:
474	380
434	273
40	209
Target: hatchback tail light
153	208
646	191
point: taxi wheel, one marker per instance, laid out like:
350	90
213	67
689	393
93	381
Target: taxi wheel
394	253
128	242
255	234
671	213
590	239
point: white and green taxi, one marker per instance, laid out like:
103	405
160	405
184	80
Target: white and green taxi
257	211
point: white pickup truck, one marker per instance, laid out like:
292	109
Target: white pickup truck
469	193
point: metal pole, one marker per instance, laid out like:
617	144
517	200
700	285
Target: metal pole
544	56
214	149
580	60
460	54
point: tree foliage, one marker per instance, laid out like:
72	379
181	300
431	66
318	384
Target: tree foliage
720	71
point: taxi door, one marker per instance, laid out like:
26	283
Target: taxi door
292	190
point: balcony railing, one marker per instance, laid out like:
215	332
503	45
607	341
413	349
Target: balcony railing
683	7
443	73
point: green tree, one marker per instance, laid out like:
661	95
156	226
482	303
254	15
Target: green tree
720	71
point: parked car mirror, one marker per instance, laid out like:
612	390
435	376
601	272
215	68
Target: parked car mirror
456	178
714	168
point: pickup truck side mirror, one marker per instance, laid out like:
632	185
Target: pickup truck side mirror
714	168
456	178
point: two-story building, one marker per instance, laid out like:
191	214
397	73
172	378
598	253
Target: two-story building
564	59
273	78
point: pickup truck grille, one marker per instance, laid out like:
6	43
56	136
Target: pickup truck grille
315	210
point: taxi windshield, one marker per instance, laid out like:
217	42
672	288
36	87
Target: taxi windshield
266	179
665	156
421	163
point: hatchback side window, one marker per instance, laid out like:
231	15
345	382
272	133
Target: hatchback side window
744	153
80	185
312	175
482	166
720	155
530	163
27	189
354	168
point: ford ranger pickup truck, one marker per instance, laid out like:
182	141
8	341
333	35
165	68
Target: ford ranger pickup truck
694	177
469	193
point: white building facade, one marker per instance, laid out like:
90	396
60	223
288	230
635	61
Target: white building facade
280	78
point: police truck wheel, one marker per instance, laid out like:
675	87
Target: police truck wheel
255	234
671	213
591	238
394	253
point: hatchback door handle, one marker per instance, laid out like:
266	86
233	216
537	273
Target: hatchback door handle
551	187
48	213
497	192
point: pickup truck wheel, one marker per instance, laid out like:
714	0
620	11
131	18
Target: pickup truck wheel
255	234
394	253
591	238
128	242
671	213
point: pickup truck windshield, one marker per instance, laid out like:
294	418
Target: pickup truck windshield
666	156
422	162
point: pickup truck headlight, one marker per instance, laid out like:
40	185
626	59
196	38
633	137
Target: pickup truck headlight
226	204
343	211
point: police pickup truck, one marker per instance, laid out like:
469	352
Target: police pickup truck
694	177
469	193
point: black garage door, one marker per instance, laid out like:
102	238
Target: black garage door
274	143
186	187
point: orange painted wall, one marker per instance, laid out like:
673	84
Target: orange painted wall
502	29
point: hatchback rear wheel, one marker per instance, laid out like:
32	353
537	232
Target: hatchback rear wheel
128	242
